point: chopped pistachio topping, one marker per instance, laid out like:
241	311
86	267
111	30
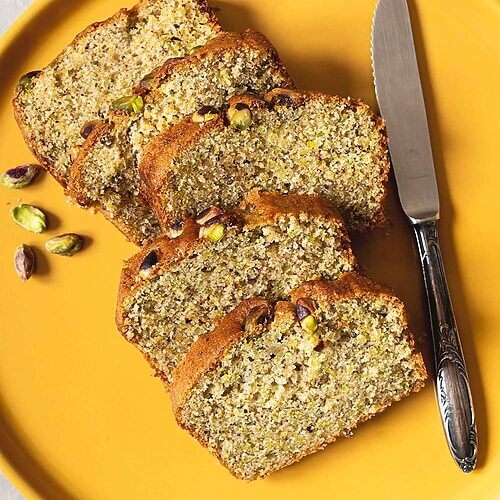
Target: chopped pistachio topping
205	216
205	114
256	316
147	264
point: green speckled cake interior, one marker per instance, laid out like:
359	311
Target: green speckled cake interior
281	392
109	174
88	76
167	313
324	146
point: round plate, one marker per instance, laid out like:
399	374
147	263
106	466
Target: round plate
81	415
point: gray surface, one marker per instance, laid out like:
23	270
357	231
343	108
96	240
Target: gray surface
9	11
401	103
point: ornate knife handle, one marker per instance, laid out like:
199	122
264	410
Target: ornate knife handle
451	379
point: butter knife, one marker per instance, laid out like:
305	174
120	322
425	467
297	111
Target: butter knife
401	103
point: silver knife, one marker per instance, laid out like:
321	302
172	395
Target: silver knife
401	103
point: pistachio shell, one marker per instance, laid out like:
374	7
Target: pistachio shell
18	177
30	218
65	244
24	262
130	103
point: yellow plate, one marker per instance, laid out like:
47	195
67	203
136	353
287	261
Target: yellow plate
80	413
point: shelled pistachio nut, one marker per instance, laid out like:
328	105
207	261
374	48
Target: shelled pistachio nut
30	218
207	215
147	79
88	127
258	315
195	48
304	309
26	80
214	232
147	264
24	262
65	244
129	103
175	230
205	114
239	116
19	177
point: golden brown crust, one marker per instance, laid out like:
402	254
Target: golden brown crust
122	13
232	42
168	251
352	285
257	209
154	169
207	351
260	207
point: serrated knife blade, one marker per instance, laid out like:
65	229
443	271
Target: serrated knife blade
401	103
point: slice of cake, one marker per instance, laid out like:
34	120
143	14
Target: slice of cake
290	141
105	174
178	287
97	71
271	385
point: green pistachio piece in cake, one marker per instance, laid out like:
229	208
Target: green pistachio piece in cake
304	309
65	244
132	104
24	262
30	218
147	79
26	81
214	232
205	114
239	116
309	324
18	177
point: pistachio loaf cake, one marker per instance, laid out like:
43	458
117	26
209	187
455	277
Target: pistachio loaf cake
178	287
291	141
105	174
272	384
98	69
